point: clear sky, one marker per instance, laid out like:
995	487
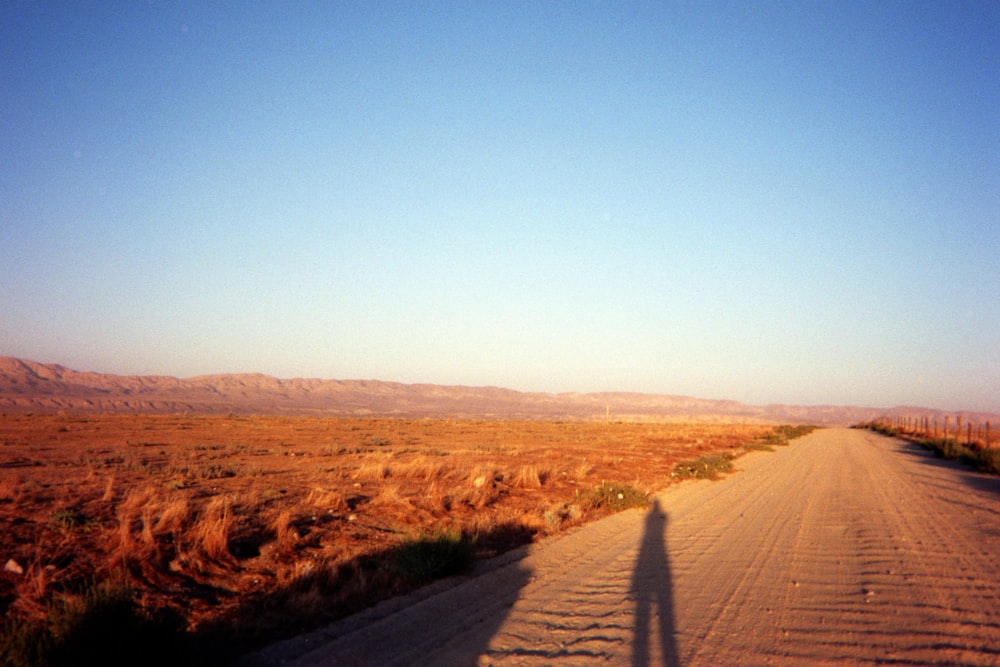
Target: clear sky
769	202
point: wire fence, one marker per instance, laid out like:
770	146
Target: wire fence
973	434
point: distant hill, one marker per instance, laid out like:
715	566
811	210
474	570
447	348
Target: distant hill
28	386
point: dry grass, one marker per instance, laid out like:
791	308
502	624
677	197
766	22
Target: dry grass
8	489
326	499
109	490
174	517
373	470
527	477
285	535
246	518
211	531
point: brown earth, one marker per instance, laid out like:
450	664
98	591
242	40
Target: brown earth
258	527
28	386
846	548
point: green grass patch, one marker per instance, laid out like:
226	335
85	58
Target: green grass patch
705	467
69	520
430	556
615	497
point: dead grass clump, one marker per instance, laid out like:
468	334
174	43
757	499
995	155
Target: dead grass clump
109	490
423	468
136	499
330	500
372	470
436	500
133	543
32	587
531	477
8	489
212	530
477	498
174	517
390	495
146	535
285	535
485	475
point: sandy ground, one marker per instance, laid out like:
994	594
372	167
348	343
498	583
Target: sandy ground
845	548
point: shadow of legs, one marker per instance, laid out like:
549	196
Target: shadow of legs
652	590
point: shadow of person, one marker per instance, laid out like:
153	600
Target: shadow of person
652	591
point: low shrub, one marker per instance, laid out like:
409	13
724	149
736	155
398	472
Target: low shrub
791	432
616	497
955	451
983	460
884	429
988	460
782	435
705	467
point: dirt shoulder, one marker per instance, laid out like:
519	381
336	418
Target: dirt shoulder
845	547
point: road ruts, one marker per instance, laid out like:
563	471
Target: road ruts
844	548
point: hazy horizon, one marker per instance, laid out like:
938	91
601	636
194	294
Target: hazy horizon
246	392
776	203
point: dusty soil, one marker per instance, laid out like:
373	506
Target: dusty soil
845	548
266	526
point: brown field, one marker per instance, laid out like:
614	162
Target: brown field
257	527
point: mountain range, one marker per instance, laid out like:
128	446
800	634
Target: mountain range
29	386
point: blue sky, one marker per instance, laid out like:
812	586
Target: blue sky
769	202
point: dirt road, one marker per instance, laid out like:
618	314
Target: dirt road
844	548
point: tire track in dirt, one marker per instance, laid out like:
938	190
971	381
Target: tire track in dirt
845	548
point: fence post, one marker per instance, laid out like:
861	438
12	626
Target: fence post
968	434
987	435
946	418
